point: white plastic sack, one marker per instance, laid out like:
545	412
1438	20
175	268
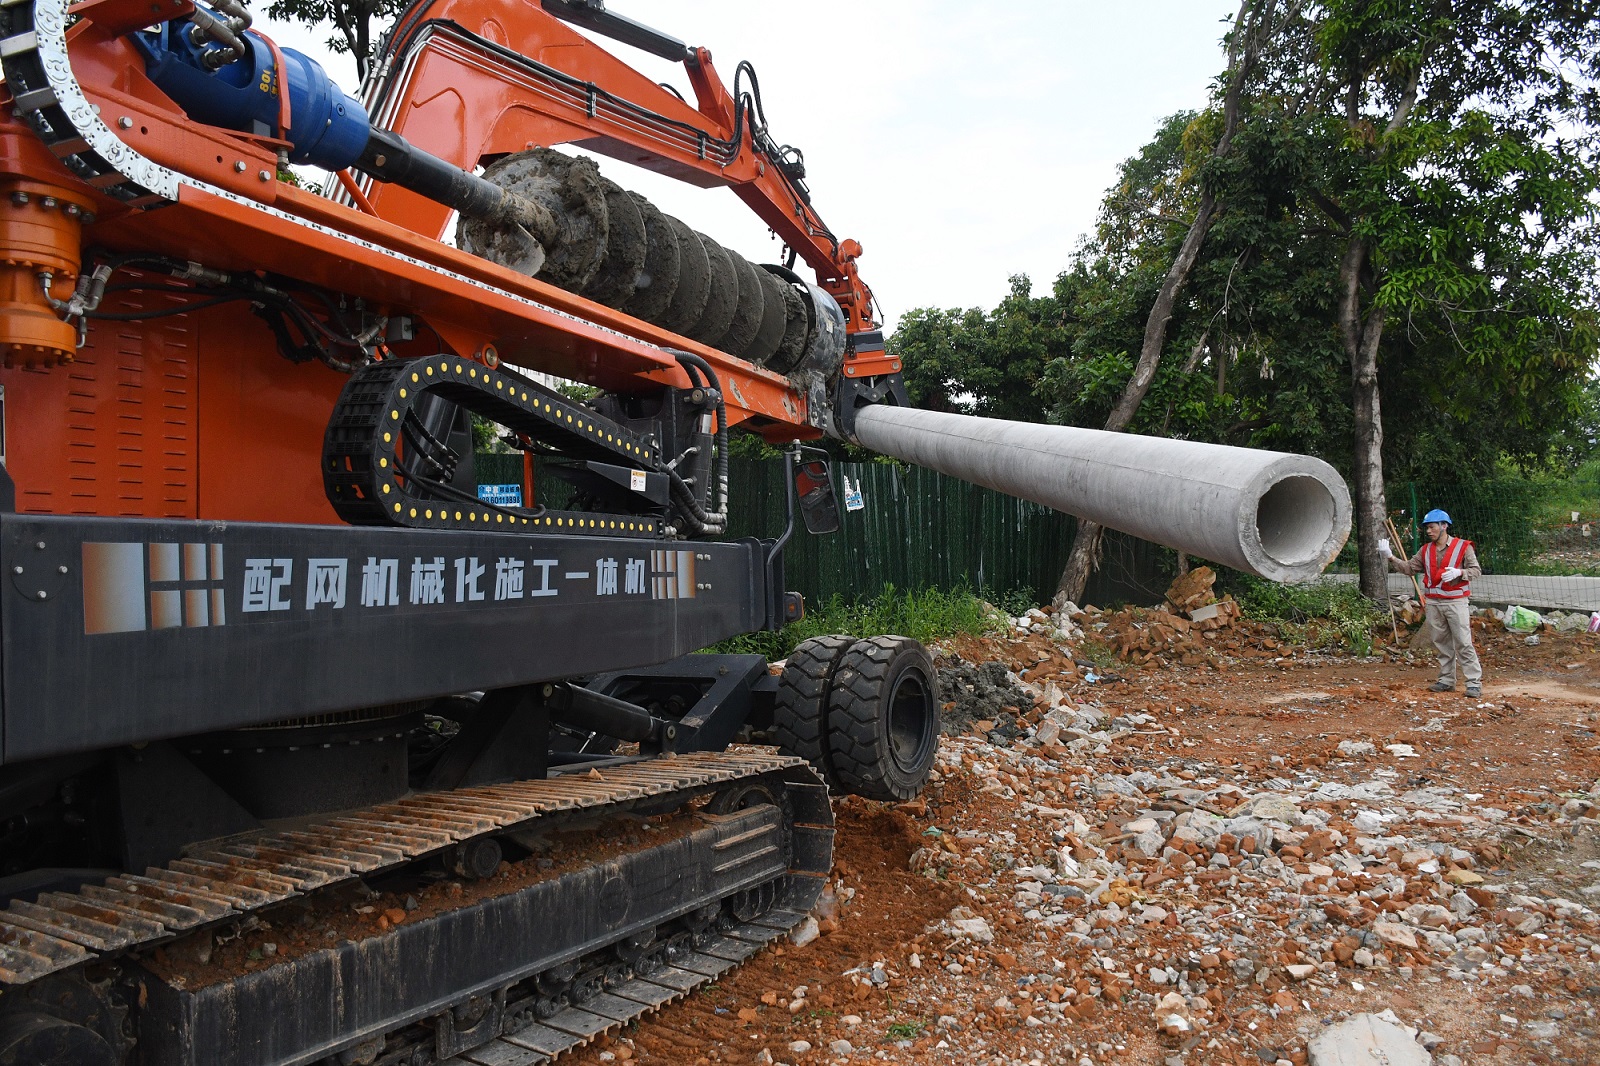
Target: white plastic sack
1522	620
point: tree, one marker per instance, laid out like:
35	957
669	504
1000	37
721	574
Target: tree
1458	150
986	364
1405	213
1256	22
352	19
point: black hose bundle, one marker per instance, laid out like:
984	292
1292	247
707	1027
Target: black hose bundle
716	520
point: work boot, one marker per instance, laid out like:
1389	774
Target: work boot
1442	686
1474	691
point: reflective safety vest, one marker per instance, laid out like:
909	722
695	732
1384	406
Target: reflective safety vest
1434	565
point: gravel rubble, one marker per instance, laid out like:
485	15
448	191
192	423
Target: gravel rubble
1175	842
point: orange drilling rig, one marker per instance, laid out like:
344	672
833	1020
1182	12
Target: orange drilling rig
310	754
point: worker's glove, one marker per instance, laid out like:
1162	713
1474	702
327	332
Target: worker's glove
1383	549
1451	573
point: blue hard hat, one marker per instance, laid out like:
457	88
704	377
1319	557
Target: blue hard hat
1436	515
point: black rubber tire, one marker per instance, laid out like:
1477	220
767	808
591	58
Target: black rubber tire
883	718
32	1039
800	713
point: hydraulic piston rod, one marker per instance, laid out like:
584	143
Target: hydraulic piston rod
1272	514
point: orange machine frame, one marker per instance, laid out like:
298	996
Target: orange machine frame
197	416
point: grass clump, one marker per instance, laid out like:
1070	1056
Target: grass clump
928	615
907	1030
1315	611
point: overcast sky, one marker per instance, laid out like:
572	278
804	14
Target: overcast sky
959	142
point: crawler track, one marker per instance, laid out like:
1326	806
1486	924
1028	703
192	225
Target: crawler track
62	930
627	1002
491	959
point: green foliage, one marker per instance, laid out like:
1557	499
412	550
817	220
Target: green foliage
1316	610
1480	207
1498	515
1479	204
487	437
350	20
907	1030
1016	602
926	616
979	363
1560	496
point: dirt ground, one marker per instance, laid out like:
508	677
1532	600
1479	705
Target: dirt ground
1204	863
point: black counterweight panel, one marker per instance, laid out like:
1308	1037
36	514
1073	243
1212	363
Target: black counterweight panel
118	631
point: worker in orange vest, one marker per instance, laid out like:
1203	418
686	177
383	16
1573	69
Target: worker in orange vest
1447	565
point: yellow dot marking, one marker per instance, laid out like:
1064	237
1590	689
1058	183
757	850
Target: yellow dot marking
402	394
500	385
415	378
458	516
458	368
428	370
547	407
383	464
397	509
394	415
524	397
428	513
413	512
388	438
386	492
499	518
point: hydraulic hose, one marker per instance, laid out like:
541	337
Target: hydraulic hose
719	508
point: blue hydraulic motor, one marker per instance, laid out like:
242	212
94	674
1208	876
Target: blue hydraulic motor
223	74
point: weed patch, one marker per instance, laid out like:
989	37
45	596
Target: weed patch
1314	611
928	615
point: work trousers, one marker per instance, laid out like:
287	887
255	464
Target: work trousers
1450	629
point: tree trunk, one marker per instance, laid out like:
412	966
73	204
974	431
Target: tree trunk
363	48
1361	340
1085	554
1252	26
1082	560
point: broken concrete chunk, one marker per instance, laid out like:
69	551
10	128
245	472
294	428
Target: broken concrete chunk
973	929
1366	1040
805	932
1395	933
1270	807
1172	1015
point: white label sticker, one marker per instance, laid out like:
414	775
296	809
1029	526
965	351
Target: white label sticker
636	480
